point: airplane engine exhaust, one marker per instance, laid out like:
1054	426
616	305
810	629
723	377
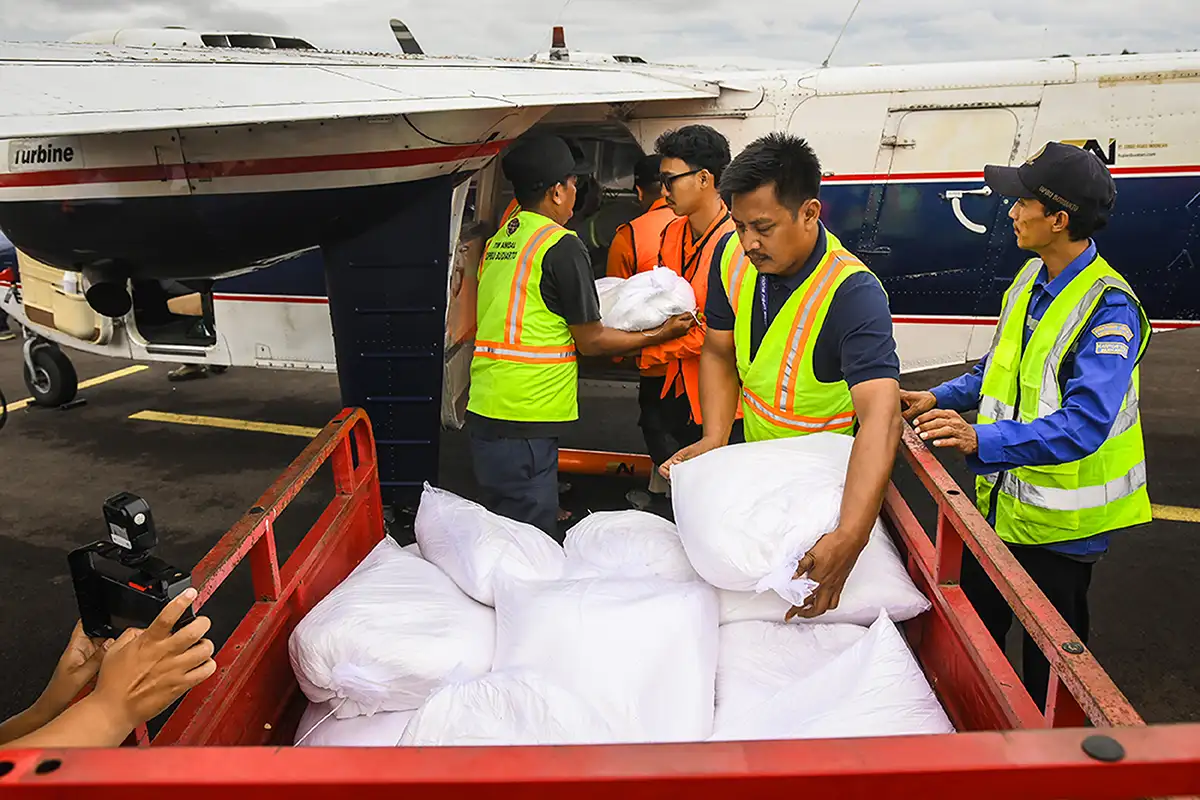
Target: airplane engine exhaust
106	292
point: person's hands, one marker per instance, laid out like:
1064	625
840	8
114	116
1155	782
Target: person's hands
916	403
143	672
78	664
948	429
691	451
677	326
828	563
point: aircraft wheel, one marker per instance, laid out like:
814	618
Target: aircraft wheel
53	381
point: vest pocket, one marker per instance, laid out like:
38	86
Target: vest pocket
1046	497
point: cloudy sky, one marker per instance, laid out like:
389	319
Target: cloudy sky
885	31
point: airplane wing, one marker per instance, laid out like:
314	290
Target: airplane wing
49	93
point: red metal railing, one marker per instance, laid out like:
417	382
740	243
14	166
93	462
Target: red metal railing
242	704
1007	750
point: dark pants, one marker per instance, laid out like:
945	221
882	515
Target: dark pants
518	478
666	422
1065	583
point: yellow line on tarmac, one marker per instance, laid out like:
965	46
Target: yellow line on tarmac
226	422
1176	513
90	382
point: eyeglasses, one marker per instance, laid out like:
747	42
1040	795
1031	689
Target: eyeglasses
667	179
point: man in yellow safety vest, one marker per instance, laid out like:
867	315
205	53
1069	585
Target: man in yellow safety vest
537	308
800	333
1057	447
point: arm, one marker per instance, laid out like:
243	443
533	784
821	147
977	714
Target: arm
76	667
962	393
720	385
593	339
141	674
1092	398
860	324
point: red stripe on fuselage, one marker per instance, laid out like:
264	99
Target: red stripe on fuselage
390	159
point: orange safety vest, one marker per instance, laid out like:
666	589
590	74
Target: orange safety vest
692	260
646	231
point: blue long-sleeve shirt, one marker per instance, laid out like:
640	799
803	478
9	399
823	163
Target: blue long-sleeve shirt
1094	377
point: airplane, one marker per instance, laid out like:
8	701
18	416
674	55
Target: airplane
329	204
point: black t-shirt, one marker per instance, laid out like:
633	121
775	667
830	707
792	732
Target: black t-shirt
855	343
569	290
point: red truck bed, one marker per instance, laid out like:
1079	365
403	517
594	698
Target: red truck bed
232	734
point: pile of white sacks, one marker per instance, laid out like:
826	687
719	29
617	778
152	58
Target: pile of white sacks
488	632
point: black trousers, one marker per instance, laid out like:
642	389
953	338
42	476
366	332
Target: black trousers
518	478
666	422
1065	583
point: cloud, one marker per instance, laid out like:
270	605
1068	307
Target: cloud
799	30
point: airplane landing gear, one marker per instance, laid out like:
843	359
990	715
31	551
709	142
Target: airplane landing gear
49	374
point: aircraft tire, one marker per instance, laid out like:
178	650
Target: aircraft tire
55	382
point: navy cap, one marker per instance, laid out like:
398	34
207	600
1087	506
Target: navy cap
539	161
1062	176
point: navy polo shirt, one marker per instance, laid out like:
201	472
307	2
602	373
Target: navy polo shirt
855	343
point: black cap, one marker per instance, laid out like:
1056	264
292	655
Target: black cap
647	169
1062	176
540	161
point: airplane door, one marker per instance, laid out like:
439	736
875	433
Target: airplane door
932	224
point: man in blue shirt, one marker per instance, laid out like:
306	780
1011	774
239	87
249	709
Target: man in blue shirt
1064	194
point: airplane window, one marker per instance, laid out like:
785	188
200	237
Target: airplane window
287	43
247	40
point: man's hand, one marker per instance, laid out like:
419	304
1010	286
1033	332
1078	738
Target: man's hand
828	563
675	327
691	451
916	403
78	664
948	429
143	672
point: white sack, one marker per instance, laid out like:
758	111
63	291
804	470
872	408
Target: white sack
413	548
629	544
320	728
642	651
390	634
760	659
645	300
873	688
878	581
474	546
516	707
748	512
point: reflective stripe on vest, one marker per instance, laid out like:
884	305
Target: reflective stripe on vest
780	394
514	322
1100	492
524	354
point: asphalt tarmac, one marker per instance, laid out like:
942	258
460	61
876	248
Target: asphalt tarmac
58	466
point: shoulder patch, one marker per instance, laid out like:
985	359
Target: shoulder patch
1113	329
1112	349
513	225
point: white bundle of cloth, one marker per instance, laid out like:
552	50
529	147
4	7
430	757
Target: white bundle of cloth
644	301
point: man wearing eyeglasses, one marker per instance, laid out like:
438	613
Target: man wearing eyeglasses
693	158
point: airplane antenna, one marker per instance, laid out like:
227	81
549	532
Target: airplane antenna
562	11
846	24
